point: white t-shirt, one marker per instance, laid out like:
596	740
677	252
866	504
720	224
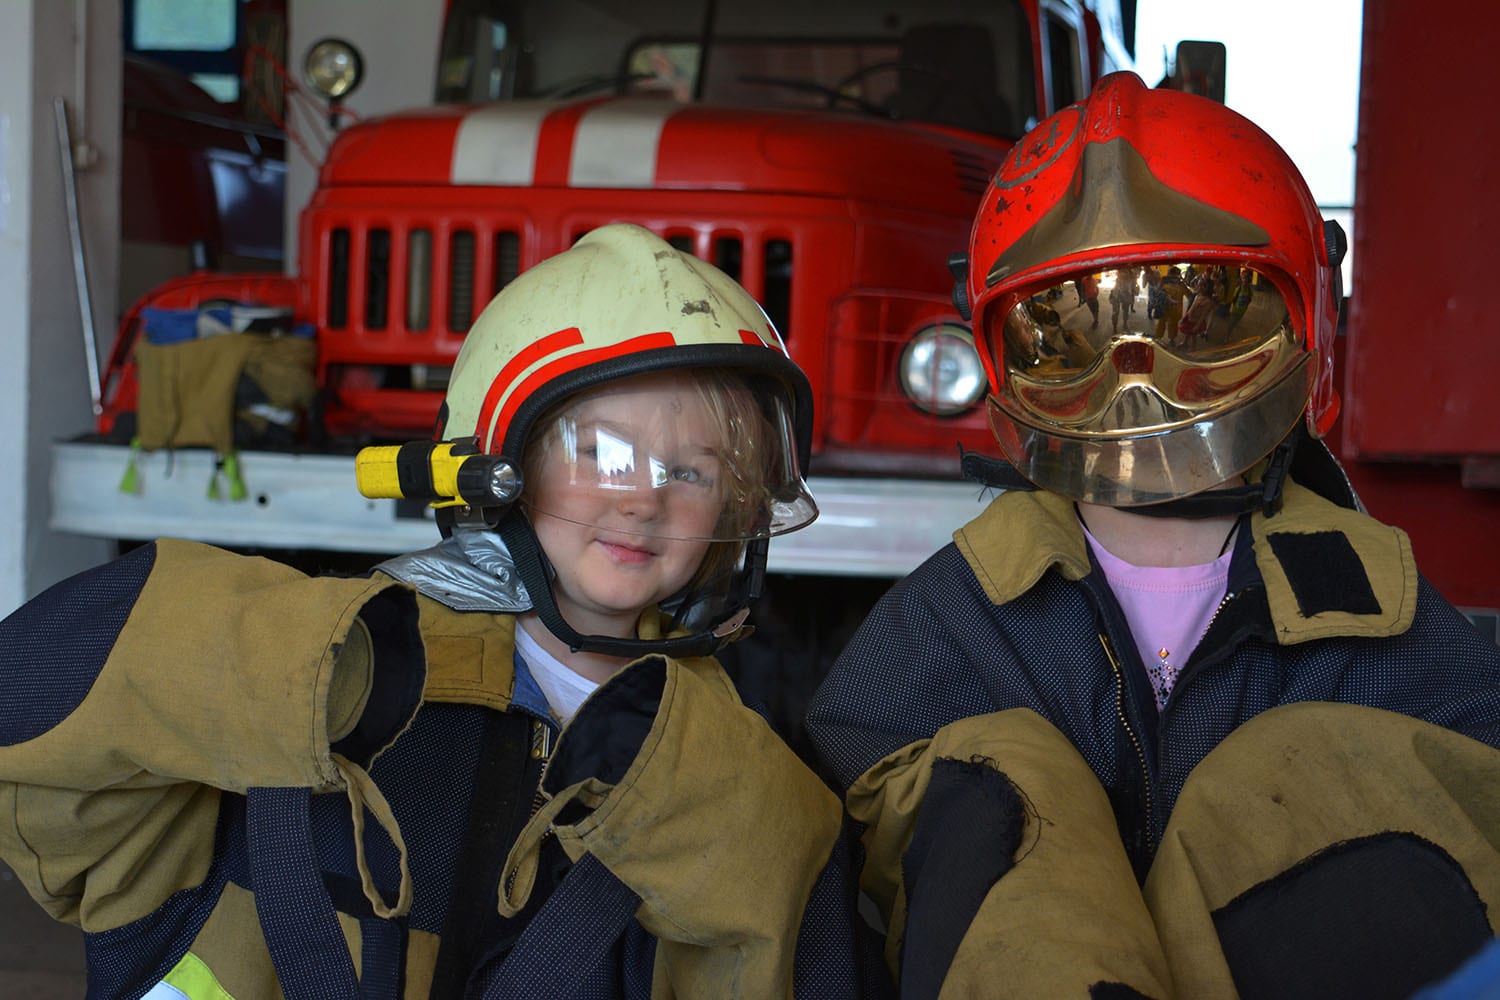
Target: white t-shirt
564	689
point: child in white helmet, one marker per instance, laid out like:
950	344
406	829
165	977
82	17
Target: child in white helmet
507	765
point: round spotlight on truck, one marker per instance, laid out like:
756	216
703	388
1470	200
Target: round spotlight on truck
940	370
333	68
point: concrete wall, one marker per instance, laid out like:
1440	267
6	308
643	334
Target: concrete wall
51	49
71	49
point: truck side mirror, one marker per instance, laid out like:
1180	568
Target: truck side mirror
1199	69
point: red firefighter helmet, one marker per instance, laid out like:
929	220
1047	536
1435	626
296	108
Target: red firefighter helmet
1220	336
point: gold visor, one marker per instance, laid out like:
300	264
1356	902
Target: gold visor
1143	384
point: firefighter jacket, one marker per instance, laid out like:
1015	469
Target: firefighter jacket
1032	819
245	782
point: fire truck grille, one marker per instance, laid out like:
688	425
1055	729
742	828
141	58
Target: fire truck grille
461	280
400	294
449	280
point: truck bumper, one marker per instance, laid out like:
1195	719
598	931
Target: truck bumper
867	527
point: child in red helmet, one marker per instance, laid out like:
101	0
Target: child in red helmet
1173	716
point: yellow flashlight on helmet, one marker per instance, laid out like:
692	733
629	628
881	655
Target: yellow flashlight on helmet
442	473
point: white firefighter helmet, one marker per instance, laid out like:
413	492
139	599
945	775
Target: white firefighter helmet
561	378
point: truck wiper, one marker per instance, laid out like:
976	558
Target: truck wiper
705	40
579	85
833	96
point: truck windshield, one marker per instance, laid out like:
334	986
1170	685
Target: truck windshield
958	63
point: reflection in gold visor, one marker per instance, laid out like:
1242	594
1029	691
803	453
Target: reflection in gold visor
1132	386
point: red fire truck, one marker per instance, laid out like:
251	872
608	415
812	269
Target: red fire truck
1420	430
829	156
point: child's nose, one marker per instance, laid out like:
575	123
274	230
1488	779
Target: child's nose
641	500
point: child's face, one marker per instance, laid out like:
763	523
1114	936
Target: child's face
627	498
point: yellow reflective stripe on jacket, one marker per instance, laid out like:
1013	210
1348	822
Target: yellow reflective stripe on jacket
189	979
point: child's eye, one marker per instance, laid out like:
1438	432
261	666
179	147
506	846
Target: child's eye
699	475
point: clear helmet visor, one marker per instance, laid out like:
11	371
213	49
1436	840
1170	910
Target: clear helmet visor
673	456
1146	383
652	490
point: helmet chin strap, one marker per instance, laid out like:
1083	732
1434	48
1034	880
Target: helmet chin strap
536	574
1264	496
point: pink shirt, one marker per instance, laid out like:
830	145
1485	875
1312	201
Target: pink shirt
1168	608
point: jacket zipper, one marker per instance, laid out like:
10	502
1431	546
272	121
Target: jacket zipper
1186	673
541	753
1194	666
1135	742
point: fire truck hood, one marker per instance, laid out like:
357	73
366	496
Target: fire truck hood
645	143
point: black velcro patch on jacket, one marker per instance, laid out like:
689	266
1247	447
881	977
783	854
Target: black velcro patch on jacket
967	832
1375	917
1115	991
1325	573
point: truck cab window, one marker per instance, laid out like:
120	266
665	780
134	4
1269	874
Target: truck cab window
196	37
473	66
958	63
1064	63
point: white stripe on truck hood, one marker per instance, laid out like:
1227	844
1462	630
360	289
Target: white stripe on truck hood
497	144
614	145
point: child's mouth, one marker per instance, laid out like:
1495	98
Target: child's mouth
625	553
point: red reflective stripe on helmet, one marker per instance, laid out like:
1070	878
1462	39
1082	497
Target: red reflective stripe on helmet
524	359
573	362
752	338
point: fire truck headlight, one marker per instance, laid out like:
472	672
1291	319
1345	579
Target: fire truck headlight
333	67
940	370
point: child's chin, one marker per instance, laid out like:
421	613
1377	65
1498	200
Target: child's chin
624	601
